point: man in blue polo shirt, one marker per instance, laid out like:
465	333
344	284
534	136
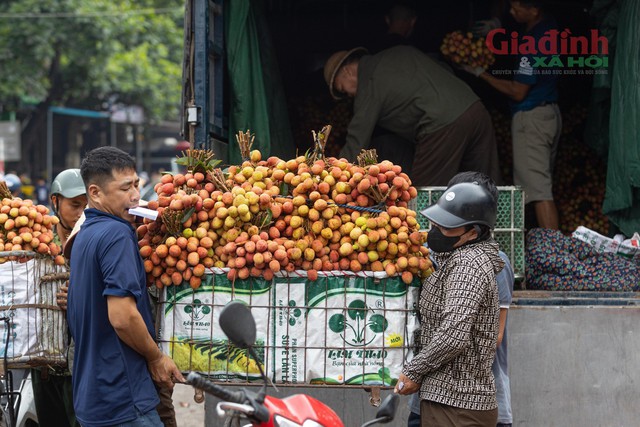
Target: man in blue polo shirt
536	123
116	358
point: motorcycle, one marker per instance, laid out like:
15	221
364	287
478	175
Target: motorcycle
17	404
260	409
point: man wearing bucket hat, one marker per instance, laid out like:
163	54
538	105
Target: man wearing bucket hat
459	313
52	389
405	92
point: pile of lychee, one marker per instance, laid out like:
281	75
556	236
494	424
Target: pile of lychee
465	49
268	216
25	226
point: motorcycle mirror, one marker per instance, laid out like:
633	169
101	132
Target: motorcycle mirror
388	407
386	412
238	324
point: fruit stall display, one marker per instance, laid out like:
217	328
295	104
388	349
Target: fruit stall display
306	241
26	226
310	213
32	270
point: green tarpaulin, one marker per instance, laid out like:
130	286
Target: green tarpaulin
622	199
596	133
257	100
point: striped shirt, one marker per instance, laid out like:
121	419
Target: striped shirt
459	314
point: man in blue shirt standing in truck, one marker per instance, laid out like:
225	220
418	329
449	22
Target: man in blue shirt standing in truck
536	123
116	359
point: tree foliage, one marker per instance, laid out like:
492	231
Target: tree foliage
83	53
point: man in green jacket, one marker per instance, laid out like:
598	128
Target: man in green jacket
407	93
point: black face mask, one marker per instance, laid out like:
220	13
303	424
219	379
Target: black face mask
438	242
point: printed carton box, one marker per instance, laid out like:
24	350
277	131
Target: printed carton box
340	329
189	330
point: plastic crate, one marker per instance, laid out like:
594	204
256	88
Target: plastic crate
509	230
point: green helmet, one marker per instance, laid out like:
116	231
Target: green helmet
68	184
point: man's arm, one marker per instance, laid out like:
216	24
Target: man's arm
366	111
504	280
131	329
515	90
461	304
503	323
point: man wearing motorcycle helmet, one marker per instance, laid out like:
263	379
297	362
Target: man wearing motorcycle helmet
68	200
459	313
52	389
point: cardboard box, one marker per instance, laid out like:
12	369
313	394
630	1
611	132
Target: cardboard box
343	328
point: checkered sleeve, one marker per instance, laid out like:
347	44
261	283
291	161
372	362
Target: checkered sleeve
464	287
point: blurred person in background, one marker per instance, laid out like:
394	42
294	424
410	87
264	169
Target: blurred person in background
147	191
144	179
42	192
400	20
27	186
14	184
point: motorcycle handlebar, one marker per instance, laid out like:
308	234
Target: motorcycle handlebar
222	393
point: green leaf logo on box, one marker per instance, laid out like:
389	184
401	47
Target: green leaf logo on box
355	328
197	310
293	313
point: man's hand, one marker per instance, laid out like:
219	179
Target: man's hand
164	371
481	28
406	386
476	71
132	330
61	295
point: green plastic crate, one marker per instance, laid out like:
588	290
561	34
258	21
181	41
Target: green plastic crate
509	230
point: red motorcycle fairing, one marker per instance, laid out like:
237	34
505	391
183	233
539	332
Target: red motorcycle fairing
301	407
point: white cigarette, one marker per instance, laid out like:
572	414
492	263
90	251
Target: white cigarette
144	213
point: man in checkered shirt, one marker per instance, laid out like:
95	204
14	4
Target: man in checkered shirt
459	313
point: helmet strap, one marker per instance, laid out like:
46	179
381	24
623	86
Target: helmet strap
64	225
483	233
56	208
